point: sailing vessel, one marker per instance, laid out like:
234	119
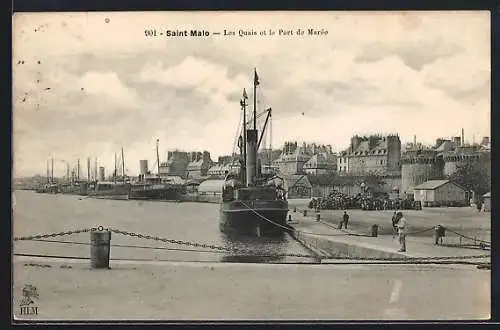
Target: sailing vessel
51	187
252	203
154	187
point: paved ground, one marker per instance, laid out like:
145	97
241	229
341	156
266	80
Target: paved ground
215	291
465	220
416	246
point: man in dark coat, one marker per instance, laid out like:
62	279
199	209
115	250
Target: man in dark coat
394	223
345	219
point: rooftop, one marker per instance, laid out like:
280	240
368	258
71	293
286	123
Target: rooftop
431	184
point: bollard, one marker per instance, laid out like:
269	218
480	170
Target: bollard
100	248
374	230
294	209
317	217
289	218
305	213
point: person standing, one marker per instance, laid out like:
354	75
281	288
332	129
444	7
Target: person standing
394	224
402	227
345	219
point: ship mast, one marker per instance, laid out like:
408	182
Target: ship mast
251	157
48	172
157	156
115	172
244	106
88	169
123	166
255	83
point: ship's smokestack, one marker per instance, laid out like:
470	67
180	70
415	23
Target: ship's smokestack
251	161
143	165
102	175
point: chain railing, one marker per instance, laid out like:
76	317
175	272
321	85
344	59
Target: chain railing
62	233
414	233
247	252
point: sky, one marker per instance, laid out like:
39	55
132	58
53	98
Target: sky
88	84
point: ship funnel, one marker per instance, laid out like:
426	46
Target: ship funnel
251	161
143	165
102	175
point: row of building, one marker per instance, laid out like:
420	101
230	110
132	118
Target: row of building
401	167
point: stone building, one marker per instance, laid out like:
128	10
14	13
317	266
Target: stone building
186	164
176	164
199	164
320	163
442	160
374	154
419	166
294	157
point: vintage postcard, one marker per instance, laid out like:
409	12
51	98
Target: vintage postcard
207	166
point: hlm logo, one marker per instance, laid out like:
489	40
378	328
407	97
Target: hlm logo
27	305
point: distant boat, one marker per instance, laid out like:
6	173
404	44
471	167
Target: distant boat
49	188
155	187
71	189
110	190
252	204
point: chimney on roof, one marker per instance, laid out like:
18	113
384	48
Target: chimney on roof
463	141
414	140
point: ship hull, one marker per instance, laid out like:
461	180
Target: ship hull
260	220
121	197
118	192
155	194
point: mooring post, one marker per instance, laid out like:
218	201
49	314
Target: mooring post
257	230
305	213
294	209
100	246
289	218
318	216
374	230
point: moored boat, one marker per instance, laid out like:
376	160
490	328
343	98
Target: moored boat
252	203
110	190
153	186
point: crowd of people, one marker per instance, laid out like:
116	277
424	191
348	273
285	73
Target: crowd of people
337	200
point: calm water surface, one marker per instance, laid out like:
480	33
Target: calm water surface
194	222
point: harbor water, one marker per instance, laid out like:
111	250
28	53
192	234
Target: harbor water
35	214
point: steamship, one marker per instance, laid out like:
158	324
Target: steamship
153	186
110	190
252	203
117	188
